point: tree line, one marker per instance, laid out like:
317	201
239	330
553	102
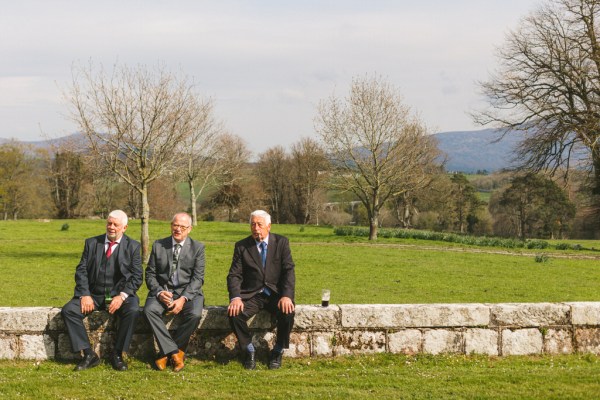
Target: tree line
150	139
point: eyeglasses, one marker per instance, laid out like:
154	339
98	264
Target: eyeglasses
183	228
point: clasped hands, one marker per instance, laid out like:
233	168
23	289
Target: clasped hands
174	306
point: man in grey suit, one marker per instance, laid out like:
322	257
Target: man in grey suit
261	276
174	276
107	277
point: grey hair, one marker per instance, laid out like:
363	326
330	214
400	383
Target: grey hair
186	215
120	215
261	214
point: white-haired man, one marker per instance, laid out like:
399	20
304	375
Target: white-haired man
106	278
261	276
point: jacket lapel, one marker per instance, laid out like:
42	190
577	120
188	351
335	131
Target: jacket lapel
253	249
98	255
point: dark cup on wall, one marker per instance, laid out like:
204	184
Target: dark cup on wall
325	295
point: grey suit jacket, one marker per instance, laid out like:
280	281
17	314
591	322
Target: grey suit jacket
128	266
247	277
190	268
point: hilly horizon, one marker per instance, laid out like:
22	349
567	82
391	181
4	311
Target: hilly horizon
466	151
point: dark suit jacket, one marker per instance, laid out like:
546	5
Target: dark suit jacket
246	276
190	266
128	266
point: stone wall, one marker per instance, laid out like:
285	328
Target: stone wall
491	329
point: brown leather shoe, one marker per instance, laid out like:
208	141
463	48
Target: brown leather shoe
178	361
161	363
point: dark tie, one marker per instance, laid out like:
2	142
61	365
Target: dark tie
263	253
174	263
109	250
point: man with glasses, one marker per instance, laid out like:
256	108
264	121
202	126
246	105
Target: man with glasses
174	276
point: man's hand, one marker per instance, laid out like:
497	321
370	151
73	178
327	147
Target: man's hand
166	298
177	305
115	304
236	306
87	304
286	305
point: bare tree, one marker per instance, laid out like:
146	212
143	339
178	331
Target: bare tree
310	167
134	119
548	85
377	149
199	154
273	170
230	160
20	176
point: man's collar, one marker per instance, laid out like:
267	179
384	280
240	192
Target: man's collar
107	240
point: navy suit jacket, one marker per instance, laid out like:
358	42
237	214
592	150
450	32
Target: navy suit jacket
247	277
128	266
190	268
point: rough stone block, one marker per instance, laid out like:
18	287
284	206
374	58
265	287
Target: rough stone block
585	313
437	341
359	342
142	346
481	341
299	345
55	320
587	340
8	347
413	315
24	319
64	350
316	317
521	342
100	321
36	347
322	343
558	341
407	341
210	345
215	318
530	314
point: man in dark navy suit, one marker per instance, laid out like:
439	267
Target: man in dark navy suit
106	278
261	276
175	276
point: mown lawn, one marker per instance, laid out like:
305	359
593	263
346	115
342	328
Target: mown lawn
38	260
382	376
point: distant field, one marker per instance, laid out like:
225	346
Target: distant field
38	260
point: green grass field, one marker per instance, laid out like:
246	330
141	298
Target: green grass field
37	260
382	376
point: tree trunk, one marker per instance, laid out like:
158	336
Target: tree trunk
145	238
374	223
193	198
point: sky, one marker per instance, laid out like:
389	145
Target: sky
266	65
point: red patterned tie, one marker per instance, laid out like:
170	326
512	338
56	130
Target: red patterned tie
109	250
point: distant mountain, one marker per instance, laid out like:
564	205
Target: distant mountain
46	144
467	151
470	151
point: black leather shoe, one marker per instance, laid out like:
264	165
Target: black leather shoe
275	360
90	361
118	363
250	362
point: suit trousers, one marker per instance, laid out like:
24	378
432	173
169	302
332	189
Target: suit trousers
285	322
127	315
188	320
